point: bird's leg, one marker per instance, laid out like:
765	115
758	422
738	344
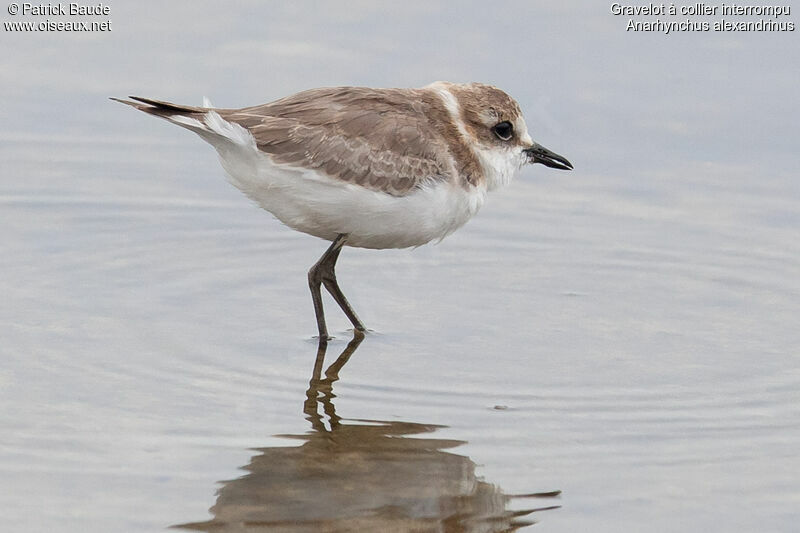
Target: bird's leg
329	280
314	283
323	272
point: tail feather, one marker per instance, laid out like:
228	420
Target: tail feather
161	108
205	121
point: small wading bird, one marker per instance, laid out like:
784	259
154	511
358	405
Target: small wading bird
370	168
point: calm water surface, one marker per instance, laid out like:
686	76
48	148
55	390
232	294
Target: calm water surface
612	349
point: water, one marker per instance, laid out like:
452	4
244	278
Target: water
624	333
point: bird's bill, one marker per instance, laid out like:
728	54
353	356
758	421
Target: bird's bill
539	154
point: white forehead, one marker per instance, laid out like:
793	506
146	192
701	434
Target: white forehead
522	131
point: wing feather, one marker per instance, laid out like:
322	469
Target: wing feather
381	139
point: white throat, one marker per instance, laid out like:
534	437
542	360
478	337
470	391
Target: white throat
499	166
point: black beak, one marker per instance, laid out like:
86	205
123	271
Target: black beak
539	154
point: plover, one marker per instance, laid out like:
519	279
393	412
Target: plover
369	168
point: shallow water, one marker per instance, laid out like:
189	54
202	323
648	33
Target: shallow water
625	334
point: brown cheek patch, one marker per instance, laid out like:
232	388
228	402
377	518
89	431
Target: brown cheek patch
475	99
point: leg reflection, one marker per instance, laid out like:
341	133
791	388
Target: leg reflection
320	390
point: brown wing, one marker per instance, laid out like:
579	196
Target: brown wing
382	139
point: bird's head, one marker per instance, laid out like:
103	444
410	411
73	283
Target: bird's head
493	126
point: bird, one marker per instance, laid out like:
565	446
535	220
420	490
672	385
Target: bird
367	167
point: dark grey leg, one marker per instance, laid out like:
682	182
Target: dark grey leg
323	272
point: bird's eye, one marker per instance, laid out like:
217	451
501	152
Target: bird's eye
504	130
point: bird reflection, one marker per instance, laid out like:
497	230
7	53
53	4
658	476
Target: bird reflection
362	475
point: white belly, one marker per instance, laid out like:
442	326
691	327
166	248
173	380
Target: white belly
324	207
